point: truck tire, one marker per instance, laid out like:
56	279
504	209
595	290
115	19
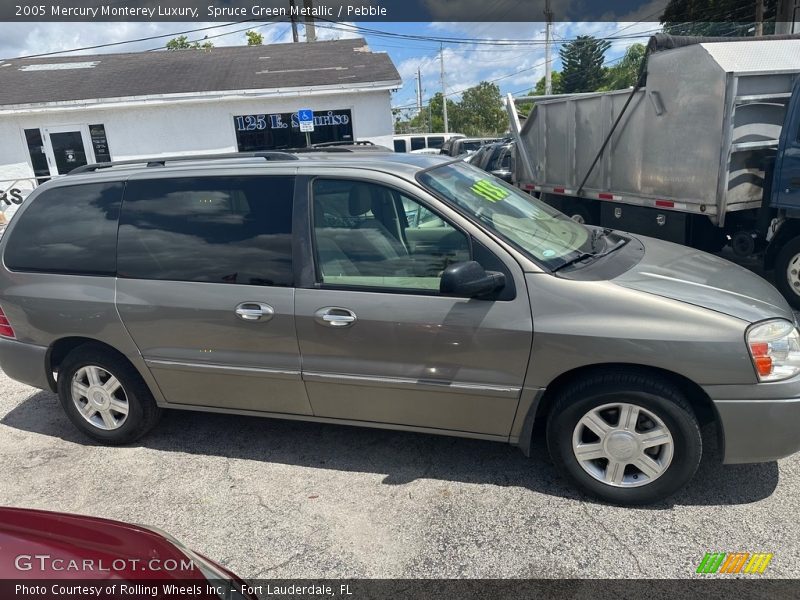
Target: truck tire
787	272
625	437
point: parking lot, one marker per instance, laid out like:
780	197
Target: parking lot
283	499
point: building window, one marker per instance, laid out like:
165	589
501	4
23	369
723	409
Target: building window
282	130
38	158
97	133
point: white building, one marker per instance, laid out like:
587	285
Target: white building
59	113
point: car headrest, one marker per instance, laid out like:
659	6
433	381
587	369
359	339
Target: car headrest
360	200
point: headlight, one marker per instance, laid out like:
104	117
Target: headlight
775	349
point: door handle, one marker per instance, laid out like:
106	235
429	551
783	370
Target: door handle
333	316
254	311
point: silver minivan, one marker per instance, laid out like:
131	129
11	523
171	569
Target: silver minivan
396	291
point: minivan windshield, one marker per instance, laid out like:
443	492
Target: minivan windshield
548	236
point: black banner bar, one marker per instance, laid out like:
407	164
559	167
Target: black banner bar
702	587
740	11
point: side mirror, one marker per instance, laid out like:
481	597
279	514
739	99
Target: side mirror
470	279
503	174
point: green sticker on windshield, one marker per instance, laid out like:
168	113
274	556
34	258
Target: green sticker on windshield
492	192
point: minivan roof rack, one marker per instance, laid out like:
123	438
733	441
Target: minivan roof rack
161	161
343	143
342	146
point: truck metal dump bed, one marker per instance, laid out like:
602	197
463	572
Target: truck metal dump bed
693	140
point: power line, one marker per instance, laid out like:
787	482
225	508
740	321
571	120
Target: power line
442	39
211	37
133	41
560	41
461	91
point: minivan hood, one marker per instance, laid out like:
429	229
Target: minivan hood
702	279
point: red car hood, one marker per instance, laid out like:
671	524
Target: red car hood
36	544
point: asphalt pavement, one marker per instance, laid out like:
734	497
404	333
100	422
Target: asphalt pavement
284	499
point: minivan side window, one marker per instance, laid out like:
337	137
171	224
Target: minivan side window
399	145
417	143
369	235
235	230
68	229
435	142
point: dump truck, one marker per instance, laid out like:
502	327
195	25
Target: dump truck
703	151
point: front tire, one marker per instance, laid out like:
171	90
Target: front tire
787	272
625	438
105	397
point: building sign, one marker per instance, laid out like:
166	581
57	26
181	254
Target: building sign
282	130
97	133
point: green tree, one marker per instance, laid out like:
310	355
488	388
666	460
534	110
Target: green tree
582	64
480	111
254	38
432	118
555	81
182	43
625	73
727	18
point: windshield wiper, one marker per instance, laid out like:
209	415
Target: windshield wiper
597	234
594	255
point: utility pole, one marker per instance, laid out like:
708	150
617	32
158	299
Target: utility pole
419	92
311	31
785	16
444	92
759	18
293	19
548	78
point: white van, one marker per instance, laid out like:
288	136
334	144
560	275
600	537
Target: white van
418	141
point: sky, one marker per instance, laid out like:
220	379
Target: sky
516	69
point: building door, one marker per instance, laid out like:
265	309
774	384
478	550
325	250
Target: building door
67	147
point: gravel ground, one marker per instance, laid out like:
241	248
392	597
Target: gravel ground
283	499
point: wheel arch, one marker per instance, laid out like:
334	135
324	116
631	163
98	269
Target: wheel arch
59	349
788	231
701	403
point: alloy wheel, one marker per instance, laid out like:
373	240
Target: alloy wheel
622	445
793	274
99	397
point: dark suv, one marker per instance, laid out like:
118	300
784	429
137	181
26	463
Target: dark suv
463	145
497	159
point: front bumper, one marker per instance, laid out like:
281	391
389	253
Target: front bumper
759	422
24	362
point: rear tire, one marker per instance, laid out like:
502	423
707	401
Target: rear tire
105	397
787	272
660	434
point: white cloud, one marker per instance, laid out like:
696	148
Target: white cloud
517	68
337	31
16	40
